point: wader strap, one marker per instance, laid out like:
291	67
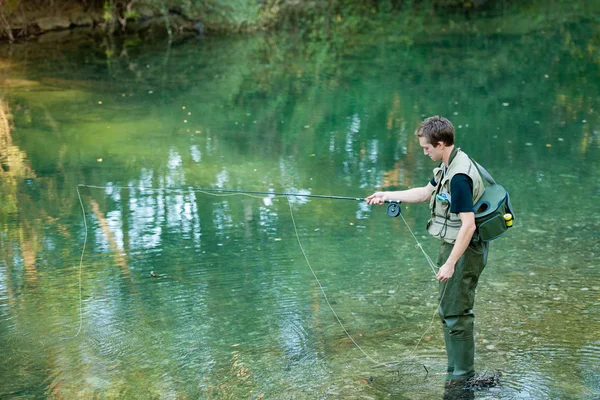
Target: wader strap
439	188
453	154
445	169
483	173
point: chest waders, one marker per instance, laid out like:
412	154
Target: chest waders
458	293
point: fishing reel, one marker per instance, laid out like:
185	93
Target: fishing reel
393	209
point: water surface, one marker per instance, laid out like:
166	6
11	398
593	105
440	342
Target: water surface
236	311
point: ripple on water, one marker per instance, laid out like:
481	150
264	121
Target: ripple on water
108	344
591	354
545	370
590	366
296	340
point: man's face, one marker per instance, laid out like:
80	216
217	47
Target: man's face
435	153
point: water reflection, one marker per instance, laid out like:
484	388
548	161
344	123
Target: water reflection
13	160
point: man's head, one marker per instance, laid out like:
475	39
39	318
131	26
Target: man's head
436	129
435	135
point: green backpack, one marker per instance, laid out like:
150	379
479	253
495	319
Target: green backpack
493	212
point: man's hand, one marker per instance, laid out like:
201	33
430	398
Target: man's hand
445	272
376	198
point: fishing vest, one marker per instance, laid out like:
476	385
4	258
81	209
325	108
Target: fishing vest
444	225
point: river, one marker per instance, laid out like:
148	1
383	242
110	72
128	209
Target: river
233	310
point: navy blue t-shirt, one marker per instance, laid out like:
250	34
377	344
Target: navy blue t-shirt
461	190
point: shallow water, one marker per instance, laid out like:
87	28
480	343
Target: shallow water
236	311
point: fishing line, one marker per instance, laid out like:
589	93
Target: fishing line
254	194
389	364
321	286
419	246
431	264
80	267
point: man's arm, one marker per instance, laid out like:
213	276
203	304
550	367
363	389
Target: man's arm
465	234
415	195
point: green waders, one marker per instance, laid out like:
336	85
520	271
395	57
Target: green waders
456	308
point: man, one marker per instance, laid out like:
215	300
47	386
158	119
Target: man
454	188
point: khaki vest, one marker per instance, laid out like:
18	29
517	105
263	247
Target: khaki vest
444	225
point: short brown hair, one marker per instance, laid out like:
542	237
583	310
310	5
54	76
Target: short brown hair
436	129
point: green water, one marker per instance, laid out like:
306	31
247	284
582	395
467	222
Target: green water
237	312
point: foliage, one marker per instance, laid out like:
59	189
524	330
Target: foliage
331	20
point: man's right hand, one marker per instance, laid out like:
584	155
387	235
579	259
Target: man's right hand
377	198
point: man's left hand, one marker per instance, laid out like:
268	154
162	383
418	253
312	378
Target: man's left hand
445	272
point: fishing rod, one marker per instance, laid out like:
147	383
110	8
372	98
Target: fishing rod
393	209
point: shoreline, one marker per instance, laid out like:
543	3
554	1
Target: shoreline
27	25
19	22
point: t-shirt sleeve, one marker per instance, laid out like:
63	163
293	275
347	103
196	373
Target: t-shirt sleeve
461	188
433	182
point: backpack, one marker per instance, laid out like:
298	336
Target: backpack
493	212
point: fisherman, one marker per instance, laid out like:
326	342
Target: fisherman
456	185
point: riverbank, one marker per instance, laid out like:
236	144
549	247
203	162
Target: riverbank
26	22
20	20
